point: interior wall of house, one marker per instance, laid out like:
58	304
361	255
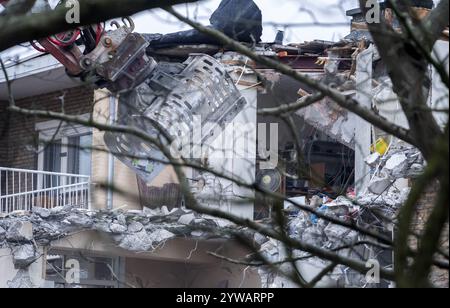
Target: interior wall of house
322	155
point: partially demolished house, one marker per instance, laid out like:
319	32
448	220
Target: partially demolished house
75	215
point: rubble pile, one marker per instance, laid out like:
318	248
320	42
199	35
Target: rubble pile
400	162
310	229
133	230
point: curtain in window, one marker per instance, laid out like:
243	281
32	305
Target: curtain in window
52	163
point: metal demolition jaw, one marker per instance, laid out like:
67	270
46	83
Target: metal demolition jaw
158	98
119	61
114	59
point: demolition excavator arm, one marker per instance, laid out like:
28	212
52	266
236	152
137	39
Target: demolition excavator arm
152	96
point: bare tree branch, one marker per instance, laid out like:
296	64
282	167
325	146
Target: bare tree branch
18	29
338	97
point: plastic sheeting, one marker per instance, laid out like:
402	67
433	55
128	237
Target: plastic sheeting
239	19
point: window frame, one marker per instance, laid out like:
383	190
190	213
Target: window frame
59	130
118	265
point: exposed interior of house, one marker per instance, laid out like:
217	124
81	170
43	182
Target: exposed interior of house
189	118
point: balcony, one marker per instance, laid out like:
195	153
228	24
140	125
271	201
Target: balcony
21	190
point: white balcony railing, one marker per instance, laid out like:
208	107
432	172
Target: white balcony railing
21	190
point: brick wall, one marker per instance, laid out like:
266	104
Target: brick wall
438	277
21	142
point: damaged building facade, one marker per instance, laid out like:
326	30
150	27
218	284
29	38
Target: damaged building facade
76	212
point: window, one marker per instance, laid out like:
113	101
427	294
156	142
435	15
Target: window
52	157
67	150
79	155
69	269
52	163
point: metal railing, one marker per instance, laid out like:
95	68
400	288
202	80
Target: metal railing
21	190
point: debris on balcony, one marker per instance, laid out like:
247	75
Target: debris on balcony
136	231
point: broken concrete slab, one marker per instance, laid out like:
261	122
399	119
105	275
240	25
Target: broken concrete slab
165	210
373	159
20	231
42	212
137	242
103	226
23	255
186	219
396	161
161	235
141	234
135	227
379	185
80	220
117	228
151	212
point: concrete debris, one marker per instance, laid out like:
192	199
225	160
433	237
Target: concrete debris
396	161
390	200
2	233
338	235
43	213
23	255
197	233
134	231
116	228
137	242
341	202
313	230
80	221
161	235
313	235
403	161
148	230
400	162
165	210
296	200
379	185
373	159
135	227
121	219
331	119
260	239
20	231
186	219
